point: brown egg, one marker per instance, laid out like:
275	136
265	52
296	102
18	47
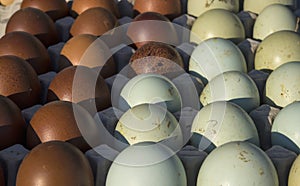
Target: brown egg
79	6
152	26
55	163
56	121
19	82
35	22
56	9
12	124
27	47
87	50
2	179
154	57
82	85
6	2
168	8
94	21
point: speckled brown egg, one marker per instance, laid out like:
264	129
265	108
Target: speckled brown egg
55	8
154	57
79	6
56	121
55	163
168	8
94	21
27	47
152	26
82	85
35	22
19	82
12	124
87	50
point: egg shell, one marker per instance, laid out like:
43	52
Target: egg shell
6	2
227	26
19	82
55	163
198	7
215	56
27	47
233	86
276	49
56	9
134	165
223	122
293	178
244	164
258	6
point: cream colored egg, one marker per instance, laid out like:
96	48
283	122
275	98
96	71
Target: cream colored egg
258	6
294	178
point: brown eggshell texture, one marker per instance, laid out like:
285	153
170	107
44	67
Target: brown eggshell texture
27	47
19	81
35	22
55	163
54	8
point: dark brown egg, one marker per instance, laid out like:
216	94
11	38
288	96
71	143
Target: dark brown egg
87	50
12	124
152	26
35	22
79	6
27	47
94	21
2	179
158	58
55	8
19	82
82	85
55	163
168	8
56	121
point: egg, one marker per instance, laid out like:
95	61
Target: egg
198	7
215	56
94	21
155	57
55	163
228	26
282	87
148	122
168	8
12	124
152	26
6	2
79	6
151	88
134	165
274	18
87	50
293	178
80	85
63	121
27	47
19	82
56	9
276	49
285	128
35	22
233	86
257	7
220	123
237	163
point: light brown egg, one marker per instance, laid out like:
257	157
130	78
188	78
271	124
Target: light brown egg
168	8
19	82
87	50
152	26
35	22
56	9
6	2
82	85
94	21
12	124
79	6
55	163
27	47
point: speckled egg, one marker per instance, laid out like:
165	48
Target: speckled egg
257	6
293	179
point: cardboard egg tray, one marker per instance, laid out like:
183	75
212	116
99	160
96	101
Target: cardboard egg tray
190	156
